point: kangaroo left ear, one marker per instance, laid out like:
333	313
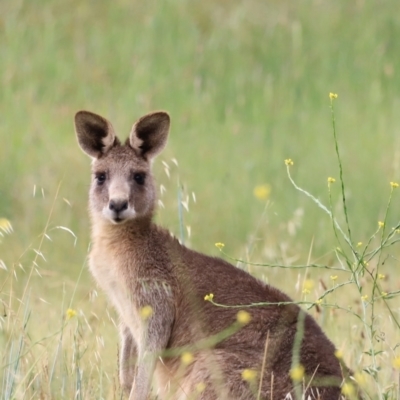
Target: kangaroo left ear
95	134
149	134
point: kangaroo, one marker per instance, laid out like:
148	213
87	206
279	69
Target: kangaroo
193	348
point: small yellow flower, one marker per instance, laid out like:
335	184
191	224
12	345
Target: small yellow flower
70	313
381	276
308	284
381	224
360	378
384	294
397	230
146	312
394	185
359	244
364	298
249	375
187	358
396	363
200	387
297	373
306	291
331	180
262	192
288	162
333	277
333	95
319	301
243	317
348	389
219	245
339	354
209	297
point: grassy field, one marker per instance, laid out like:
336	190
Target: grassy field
247	85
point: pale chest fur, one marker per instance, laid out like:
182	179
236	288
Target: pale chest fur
110	271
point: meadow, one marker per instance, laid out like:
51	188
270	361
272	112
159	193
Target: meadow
247	86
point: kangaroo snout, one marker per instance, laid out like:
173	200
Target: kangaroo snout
118	205
118	210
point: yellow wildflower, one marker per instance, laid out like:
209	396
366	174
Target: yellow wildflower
187	358
243	317
359	244
396	363
209	297
219	245
384	294
360	378
288	161
333	277
308	284
249	375
339	354
333	95
319	301
331	180
394	185
70	313
262	192
348	389
146	312
381	276
381	224
364	298
297	373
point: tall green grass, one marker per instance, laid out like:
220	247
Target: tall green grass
246	84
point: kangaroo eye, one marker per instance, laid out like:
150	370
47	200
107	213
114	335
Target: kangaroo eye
139	178
101	178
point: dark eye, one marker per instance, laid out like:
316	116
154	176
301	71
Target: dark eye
139	178
100	178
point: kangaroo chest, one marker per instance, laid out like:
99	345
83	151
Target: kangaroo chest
112	274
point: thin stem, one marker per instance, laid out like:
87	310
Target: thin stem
340	171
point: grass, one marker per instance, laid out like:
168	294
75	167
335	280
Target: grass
247	87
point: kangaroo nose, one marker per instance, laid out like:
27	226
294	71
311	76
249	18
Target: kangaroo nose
118	205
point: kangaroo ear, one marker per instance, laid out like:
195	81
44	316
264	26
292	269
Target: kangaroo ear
149	134
95	134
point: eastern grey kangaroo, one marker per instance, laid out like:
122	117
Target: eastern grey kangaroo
158	287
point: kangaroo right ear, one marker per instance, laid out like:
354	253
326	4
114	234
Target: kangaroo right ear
149	134
95	134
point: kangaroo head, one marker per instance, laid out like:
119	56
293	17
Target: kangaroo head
122	187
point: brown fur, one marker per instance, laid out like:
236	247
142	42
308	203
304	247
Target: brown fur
139	264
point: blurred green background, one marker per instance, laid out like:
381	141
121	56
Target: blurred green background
246	84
